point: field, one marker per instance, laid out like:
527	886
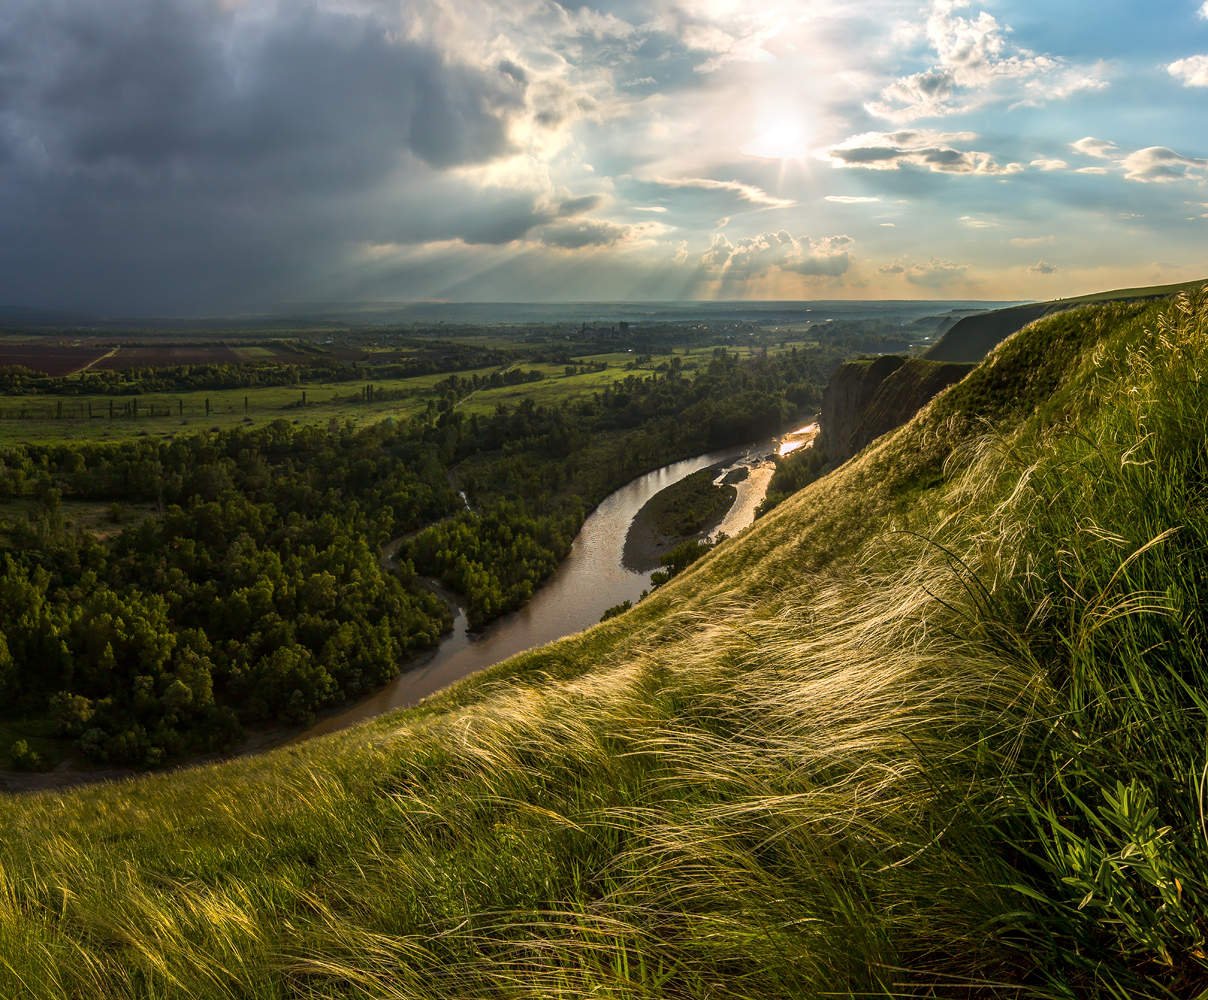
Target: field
163	355
52	359
44	418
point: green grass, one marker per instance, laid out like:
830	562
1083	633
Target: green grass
185	412
556	388
32	418
933	727
1149	291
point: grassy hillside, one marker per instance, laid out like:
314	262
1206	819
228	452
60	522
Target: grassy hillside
934	727
970	339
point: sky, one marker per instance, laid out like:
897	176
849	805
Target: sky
209	157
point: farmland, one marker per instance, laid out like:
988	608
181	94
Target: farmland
50	359
76	386
44	419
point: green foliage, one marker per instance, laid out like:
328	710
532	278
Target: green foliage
615	610
680	557
255	592
23	758
794	472
691	506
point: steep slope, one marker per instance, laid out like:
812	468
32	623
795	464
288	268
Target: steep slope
871	396
973	337
934	727
846	398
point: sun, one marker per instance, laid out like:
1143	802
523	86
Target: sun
783	137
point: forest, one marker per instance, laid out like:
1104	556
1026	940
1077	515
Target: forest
238	580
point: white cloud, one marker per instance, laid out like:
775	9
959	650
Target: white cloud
1204	11
1157	164
756	255
1153	164
975	223
1049	164
976	63
744	192
922	148
850	199
1191	72
1100	149
1031	241
1043	267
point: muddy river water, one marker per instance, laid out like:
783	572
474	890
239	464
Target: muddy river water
590	580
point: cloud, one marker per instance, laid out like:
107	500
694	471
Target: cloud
575	206
1049	165
183	156
1204	11
582	234
975	63
1100	149
1192	71
1030	241
935	273
1153	164
1043	267
144	89
975	223
756	255
1157	164
920	95
850	199
748	193
920	148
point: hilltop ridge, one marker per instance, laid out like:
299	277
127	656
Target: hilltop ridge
971	338
933	727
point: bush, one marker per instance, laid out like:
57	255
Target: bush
24	758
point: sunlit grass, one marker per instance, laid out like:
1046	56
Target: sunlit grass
934	727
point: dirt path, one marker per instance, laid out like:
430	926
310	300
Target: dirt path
108	354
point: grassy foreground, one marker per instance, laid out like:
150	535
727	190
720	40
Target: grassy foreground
934	727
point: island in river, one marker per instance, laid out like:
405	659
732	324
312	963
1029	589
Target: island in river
688	509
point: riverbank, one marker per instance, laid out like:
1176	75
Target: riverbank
647	541
592	578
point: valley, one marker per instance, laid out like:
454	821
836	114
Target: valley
973	648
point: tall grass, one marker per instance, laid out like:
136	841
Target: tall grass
964	757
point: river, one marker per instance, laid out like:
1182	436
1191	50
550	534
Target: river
589	581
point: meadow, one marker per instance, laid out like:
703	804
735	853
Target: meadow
40	418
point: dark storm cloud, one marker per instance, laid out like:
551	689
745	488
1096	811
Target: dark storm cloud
155	155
